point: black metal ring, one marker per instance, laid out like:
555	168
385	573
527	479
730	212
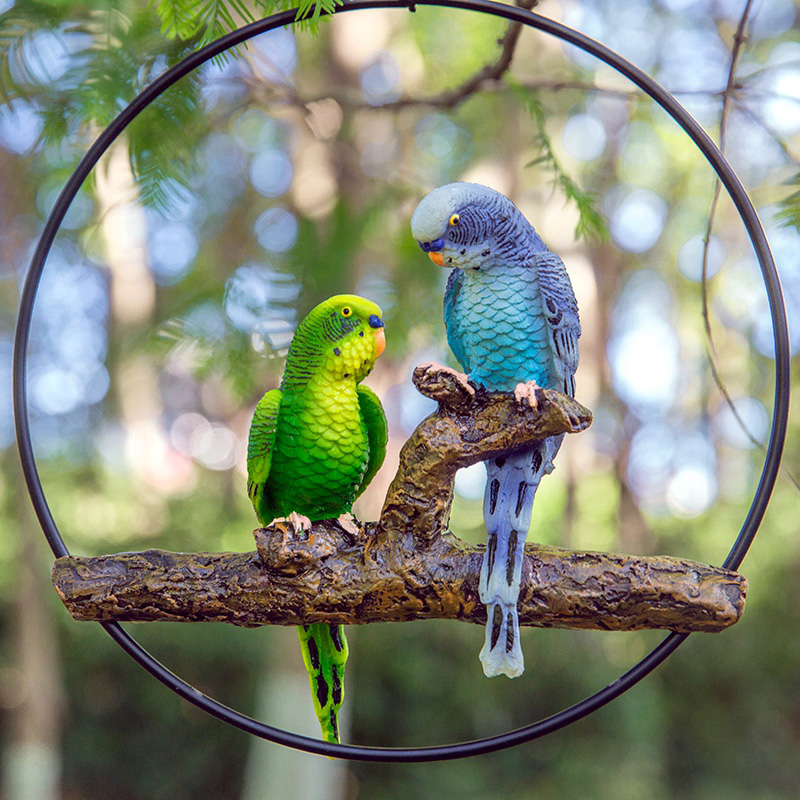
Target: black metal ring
740	546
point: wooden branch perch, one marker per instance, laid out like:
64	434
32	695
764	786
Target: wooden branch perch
407	565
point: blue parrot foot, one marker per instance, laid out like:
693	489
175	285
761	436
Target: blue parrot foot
501	653
443	384
525	394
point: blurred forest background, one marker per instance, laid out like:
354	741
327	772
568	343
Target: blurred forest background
270	179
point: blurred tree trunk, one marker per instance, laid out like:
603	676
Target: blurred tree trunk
134	378
32	751
32	759
634	533
273	772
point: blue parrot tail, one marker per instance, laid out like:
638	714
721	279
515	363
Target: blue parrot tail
501	653
511	484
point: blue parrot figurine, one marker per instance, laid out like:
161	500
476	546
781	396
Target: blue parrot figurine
511	317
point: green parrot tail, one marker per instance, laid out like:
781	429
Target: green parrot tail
325	655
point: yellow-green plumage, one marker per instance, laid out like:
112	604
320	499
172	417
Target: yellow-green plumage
314	446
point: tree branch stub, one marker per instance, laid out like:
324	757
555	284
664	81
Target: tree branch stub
471	425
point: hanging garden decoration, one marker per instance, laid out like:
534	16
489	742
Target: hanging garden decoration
318	571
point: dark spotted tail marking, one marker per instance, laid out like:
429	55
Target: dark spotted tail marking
509	633
313	653
325	656
491	553
521	492
336	637
334	721
322	690
336	694
493	492
511	557
497	624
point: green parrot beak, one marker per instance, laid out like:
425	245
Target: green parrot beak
376	323
380	342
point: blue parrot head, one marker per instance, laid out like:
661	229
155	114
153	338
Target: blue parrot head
469	226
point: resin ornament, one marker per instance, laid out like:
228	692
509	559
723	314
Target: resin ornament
315	444
511	319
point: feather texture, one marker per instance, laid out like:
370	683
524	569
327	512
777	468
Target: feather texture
314	446
511	317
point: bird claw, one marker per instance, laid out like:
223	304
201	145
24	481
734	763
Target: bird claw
525	394
443	384
347	522
299	523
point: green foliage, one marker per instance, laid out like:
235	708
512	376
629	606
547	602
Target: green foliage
186	19
161	143
18	26
790	206
590	221
308	11
118	54
210	19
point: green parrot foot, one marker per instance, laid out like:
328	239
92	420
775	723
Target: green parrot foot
525	394
285	547
347	522
298	522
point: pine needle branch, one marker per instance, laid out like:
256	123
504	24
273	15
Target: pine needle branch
590	220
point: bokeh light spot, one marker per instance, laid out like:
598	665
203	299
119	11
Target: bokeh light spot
584	137
276	230
690	257
638	220
271	172
173	249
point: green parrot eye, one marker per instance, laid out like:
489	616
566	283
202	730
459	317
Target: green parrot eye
454	220
347	311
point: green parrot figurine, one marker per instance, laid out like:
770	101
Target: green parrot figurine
315	444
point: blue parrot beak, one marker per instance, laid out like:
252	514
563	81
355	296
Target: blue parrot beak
432	249
434	246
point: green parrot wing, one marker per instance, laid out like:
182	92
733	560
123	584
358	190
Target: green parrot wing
377	432
260	443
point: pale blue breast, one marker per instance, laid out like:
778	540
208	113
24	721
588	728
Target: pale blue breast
503	334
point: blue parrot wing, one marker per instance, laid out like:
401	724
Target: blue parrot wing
561	311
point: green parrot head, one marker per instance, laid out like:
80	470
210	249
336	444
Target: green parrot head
341	338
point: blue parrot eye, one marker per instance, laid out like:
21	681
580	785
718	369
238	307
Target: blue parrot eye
454	220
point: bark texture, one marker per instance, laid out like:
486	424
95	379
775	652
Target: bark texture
352	583
407	565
